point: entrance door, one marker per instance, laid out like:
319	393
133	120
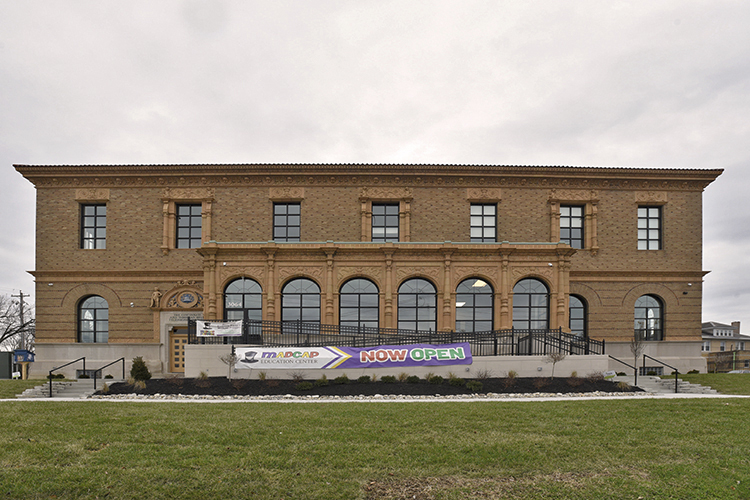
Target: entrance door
177	343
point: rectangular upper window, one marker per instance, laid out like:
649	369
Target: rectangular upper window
385	221
188	225
93	226
286	222
483	222
571	225
649	228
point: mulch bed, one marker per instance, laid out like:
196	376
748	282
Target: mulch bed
221	386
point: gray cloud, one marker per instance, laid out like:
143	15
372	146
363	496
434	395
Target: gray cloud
661	84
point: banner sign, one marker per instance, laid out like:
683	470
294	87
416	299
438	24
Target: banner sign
218	328
385	356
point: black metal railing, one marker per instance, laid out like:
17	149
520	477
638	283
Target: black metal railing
511	342
63	366
635	370
98	370
676	371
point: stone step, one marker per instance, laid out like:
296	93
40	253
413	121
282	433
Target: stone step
75	389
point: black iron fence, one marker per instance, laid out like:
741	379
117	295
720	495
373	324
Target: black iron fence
510	342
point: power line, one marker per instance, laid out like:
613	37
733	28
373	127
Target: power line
20	313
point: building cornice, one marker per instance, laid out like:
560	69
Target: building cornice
360	174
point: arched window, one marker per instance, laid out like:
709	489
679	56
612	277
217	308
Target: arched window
358	303
649	318
474	306
530	305
577	316
243	300
300	300
417	305
93	320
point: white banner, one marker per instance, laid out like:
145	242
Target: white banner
218	328
288	357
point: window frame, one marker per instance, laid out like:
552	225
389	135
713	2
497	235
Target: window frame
648	229
589	200
84	240
246	313
584	319
649	333
470	288
419	312
531	307
192	241
286	224
388	219
287	295
360	323
99	336
482	226
566	223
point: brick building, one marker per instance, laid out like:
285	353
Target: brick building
126	253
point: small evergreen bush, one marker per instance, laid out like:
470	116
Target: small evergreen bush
474	385
139	370
457	382
341	380
322	381
364	379
435	380
412	379
388	379
304	386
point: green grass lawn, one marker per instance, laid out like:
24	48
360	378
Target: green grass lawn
725	383
9	389
650	448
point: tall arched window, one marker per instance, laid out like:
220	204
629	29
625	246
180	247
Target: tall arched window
93	320
417	305
243	299
358	303
649	318
474	306
300	300
530	305
577	316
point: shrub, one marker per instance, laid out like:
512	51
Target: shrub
56	376
412	379
651	373
341	380
176	381
298	376
322	381
388	379
304	386
83	375
139	370
435	380
202	381
574	374
403	376
429	375
139	385
374	377
364	379
474	385
262	375
203	376
484	374
623	386
512	374
622	374
541	382
105	389
691	372
457	382
595	377
109	376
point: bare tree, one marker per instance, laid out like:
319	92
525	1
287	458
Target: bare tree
554	358
636	347
230	360
12	330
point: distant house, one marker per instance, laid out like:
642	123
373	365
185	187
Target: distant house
724	347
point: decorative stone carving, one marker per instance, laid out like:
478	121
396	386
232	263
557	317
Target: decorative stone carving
186	193
404	272
255	272
286	272
378	193
155	298
92	194
522	272
483	194
650	196
286	193
461	273
348	271
572	195
186	299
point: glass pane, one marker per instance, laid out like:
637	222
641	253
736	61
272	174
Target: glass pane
476	210
464	314
368	300
407	314
349	300
483	314
368	314
294	209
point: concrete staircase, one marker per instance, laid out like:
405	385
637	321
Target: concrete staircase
662	386
68	389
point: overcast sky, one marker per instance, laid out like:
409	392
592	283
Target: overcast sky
663	84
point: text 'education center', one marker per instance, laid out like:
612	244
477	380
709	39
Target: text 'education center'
125	254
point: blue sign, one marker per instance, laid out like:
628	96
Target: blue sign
23	356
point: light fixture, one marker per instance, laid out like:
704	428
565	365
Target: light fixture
132	305
460	304
549	264
225	263
50	284
479	284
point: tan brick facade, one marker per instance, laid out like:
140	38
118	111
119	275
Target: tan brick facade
609	273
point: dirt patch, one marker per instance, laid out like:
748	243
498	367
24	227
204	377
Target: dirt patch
221	386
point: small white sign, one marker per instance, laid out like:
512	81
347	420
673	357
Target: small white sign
610	374
16	374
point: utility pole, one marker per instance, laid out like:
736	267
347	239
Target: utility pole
20	313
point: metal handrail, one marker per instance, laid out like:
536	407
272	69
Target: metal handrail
63	366
110	364
635	370
676	371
